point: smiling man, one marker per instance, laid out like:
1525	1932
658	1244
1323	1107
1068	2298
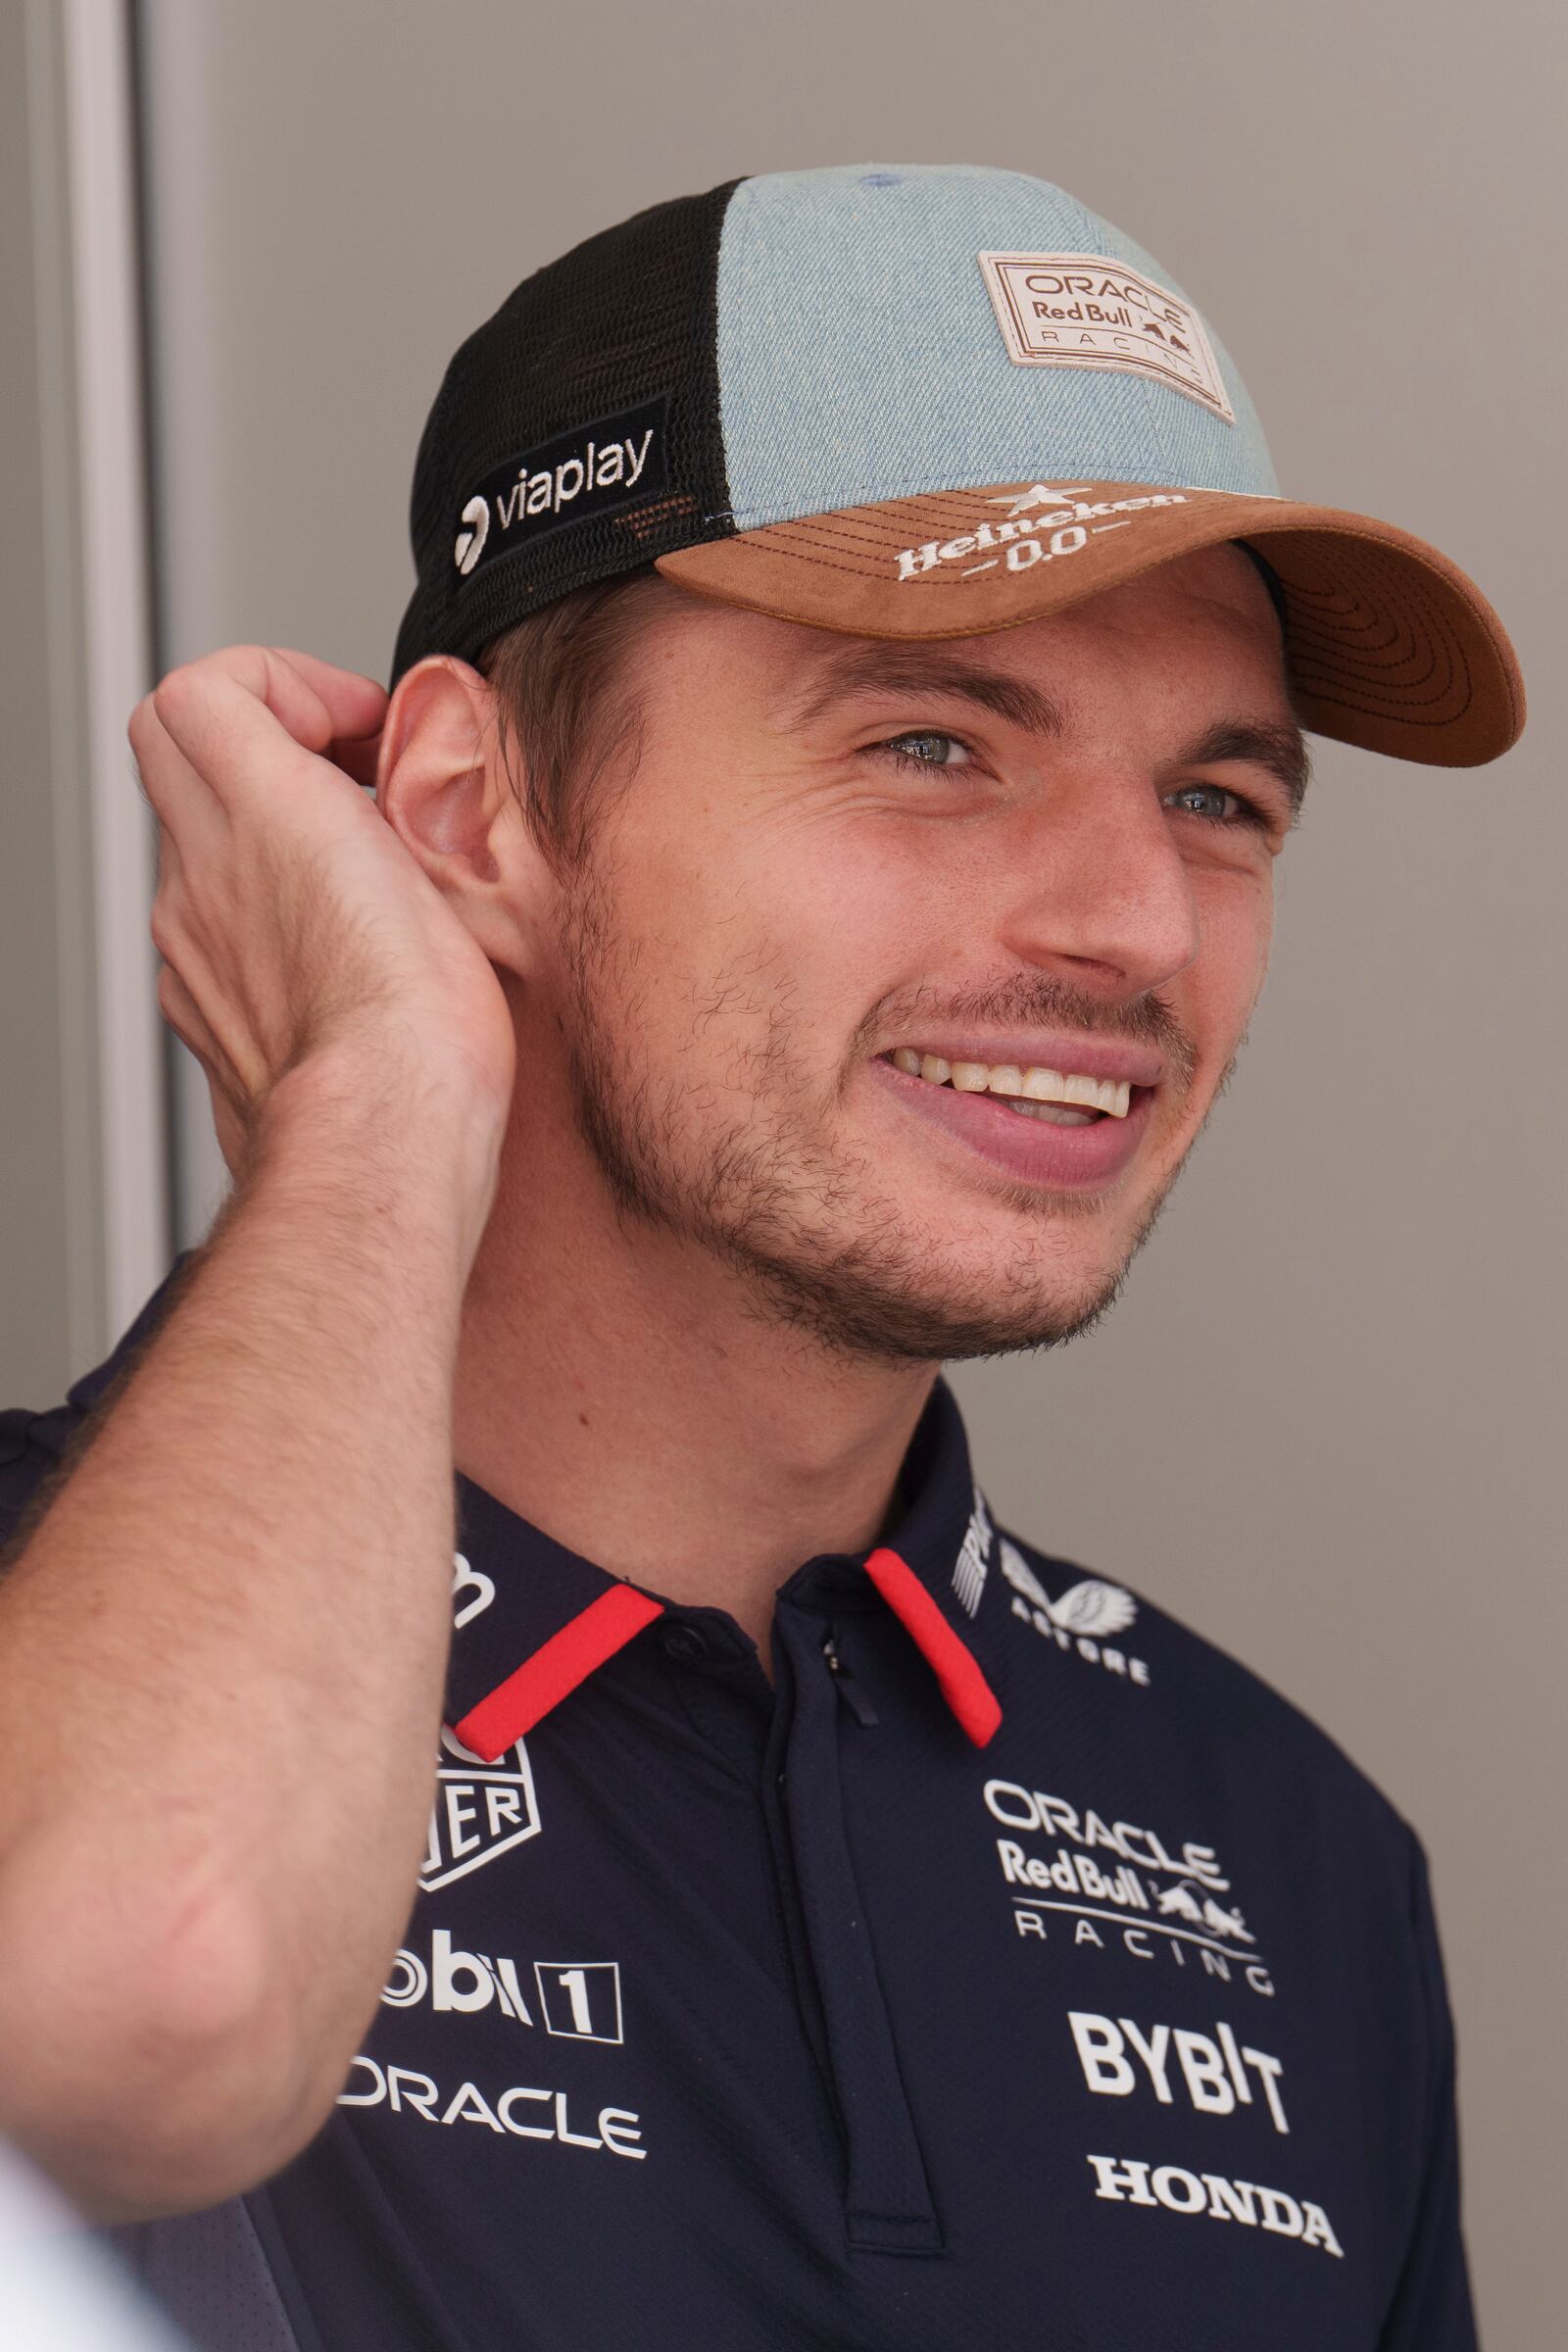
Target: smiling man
820	875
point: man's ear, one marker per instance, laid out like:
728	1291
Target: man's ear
443	788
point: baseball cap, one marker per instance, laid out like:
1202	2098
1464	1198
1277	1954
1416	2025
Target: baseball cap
909	401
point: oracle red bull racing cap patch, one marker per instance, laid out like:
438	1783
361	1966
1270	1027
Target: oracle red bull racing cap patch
1071	310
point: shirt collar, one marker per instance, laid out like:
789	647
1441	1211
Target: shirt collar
532	1619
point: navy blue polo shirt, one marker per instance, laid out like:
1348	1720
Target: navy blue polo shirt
1015	1970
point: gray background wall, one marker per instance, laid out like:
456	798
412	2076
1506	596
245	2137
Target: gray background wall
84	1189
1326	1422
49	1139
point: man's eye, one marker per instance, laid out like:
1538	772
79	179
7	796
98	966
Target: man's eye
1217	805
927	746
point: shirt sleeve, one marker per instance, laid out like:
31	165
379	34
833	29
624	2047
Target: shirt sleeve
36	1447
1432	2310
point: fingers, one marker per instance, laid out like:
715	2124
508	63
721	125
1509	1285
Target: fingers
357	758
177	796
242	719
354	704
313	699
289	916
234	708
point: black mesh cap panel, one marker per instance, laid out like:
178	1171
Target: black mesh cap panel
603	359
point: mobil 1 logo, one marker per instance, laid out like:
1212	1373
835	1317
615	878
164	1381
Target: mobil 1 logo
573	2000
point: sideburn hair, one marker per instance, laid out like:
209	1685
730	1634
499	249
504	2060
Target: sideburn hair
564	709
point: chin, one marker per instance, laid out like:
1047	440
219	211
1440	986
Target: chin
869	1304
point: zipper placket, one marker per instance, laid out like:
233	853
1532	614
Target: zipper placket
888	2198
848	1689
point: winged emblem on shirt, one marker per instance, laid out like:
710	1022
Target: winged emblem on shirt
1089	1608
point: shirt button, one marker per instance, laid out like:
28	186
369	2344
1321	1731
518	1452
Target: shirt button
685	1644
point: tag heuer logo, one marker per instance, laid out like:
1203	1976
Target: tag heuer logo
480	1810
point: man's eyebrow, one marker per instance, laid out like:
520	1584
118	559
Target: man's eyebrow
1277	746
895	670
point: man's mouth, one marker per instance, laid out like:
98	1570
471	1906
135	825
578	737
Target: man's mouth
1063	1098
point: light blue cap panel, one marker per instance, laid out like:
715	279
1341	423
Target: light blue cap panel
859	357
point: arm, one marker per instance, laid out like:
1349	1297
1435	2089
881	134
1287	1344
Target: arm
221	1647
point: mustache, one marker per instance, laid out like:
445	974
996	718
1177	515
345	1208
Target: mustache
1040	1001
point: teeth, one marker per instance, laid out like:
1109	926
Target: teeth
1060	1114
1032	1087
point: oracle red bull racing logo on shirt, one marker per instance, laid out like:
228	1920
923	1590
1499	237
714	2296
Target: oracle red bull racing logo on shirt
1105	1885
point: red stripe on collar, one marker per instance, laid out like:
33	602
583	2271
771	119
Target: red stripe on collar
566	1659
963	1685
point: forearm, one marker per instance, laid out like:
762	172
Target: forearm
222	1652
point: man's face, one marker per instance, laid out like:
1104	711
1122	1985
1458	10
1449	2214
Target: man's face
842	868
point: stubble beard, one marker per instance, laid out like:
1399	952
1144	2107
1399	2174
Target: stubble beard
818	1246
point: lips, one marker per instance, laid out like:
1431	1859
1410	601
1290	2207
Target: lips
1044	1049
1031	1151
1070	1099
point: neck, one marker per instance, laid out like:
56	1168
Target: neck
626	1391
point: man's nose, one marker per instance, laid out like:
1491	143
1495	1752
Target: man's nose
1098	888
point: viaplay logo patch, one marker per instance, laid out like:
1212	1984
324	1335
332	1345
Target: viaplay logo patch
594	469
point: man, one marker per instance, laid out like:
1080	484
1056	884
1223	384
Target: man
822	874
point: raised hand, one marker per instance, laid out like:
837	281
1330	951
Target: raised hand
292	922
